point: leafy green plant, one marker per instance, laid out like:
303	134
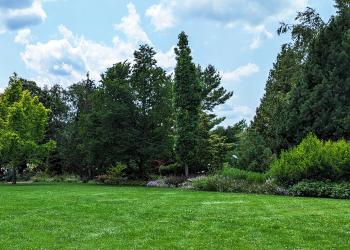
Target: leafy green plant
321	189
117	170
313	159
253	153
46	178
171	169
240	174
221	183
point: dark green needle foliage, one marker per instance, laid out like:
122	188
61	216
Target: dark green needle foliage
152	93
187	102
321	98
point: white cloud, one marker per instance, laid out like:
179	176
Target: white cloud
254	14
23	36
161	16
242	71
130	26
167	59
65	32
260	33
225	11
67	59
16	16
243	111
234	112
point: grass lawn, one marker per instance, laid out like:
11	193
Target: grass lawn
77	216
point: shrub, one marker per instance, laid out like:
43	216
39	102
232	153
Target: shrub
44	177
174	180
117	170
114	176
321	189
157	183
171	169
253	153
226	184
313	159
240	174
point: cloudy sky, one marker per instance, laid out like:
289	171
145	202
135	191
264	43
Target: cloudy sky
58	41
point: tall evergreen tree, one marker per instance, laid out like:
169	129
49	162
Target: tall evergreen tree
152	91
74	140
269	131
321	97
269	121
213	147
187	101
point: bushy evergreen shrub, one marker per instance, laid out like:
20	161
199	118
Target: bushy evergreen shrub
313	159
253	153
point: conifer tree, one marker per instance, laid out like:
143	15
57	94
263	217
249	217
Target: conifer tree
320	100
187	102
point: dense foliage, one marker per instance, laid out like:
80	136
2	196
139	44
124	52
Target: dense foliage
313	159
138	116
23	120
321	189
307	90
187	104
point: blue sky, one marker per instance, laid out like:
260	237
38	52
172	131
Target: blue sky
58	41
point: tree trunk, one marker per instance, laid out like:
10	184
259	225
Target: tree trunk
186	170
142	169
89	173
14	176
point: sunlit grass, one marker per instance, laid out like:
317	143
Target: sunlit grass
74	216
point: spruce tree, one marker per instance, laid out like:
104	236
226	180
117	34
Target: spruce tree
187	102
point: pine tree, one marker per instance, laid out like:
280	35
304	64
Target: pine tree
213	147
321	97
188	98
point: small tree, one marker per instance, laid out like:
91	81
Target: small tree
23	120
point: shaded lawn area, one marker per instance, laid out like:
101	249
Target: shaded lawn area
78	216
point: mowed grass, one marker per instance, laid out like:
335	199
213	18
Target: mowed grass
77	216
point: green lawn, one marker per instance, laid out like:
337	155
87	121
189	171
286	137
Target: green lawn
74	216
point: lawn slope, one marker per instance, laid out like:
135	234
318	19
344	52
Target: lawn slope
74	216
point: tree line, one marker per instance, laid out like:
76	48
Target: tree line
152	122
137	115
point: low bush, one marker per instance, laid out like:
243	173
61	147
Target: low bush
313	159
321	189
171	169
240	174
114	176
44	177
175	180
221	183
